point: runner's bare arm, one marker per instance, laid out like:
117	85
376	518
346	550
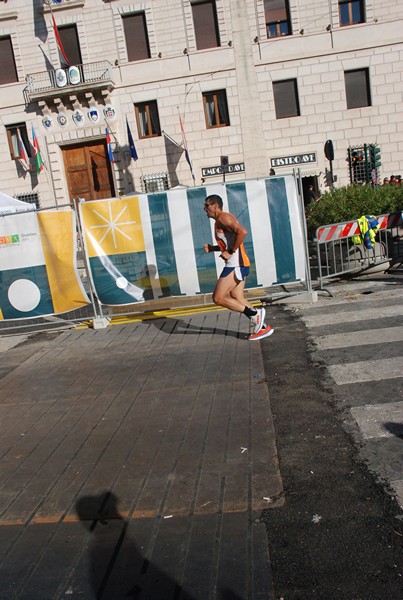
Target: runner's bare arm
228	222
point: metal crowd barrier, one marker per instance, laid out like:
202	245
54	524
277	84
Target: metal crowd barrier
337	255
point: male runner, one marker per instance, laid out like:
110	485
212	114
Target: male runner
229	291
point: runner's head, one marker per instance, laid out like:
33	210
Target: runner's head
214	199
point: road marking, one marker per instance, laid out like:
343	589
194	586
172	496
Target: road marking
359	338
351	298
350	317
379	420
369	370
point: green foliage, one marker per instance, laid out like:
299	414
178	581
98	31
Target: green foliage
349	203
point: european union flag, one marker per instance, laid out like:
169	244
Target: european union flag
133	152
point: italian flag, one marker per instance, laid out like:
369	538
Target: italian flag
37	158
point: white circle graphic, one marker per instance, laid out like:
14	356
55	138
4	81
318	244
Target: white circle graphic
122	282
24	295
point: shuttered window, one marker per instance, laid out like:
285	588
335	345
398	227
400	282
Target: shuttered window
8	71
135	28
205	24
14	133
351	12
71	45
216	109
148	123
358	92
277	18
286	100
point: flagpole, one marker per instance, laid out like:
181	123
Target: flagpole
107	129
187	155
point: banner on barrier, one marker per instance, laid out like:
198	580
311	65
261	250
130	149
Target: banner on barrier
147	246
38	265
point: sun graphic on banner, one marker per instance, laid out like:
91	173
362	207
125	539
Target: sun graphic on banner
113	226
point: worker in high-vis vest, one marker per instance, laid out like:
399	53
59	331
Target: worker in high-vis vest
369	226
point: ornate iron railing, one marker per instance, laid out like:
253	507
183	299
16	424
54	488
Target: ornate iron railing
69	78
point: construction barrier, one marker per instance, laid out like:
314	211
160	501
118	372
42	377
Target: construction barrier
145	247
337	255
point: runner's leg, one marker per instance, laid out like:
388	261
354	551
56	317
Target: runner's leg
223	296
238	293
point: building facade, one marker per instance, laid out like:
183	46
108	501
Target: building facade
254	85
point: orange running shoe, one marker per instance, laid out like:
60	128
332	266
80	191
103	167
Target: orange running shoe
264	332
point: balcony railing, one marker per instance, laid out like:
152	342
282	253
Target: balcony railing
78	77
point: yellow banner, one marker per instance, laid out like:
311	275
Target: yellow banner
58	234
112	226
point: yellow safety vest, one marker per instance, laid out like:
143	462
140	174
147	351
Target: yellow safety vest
369	226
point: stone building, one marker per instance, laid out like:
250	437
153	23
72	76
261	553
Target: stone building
262	83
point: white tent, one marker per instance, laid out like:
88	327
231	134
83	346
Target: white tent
12	205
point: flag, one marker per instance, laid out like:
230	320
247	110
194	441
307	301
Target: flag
109	147
132	147
37	158
22	151
64	61
187	155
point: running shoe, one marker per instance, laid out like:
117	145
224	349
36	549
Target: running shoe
257	320
265	332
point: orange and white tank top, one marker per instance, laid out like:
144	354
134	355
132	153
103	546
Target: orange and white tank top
226	239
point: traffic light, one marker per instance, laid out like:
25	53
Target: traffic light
357	165
375	156
356	157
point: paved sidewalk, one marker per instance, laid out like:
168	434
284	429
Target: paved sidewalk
135	462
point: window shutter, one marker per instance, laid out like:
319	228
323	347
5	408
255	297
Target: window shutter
135	28
286	98
357	88
205	25
71	45
276	10
8	71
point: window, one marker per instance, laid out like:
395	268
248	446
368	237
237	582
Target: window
216	109
205	24
135	28
277	18
157	182
29	197
8	70
18	141
357	88
351	11
148	123
286	98
71	45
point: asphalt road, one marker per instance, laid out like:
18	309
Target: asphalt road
339	533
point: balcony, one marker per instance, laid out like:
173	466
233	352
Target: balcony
77	79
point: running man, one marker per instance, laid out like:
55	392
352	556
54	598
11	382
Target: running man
229	291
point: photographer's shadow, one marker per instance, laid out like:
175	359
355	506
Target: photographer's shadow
117	568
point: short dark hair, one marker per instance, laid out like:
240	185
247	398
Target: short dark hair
214	199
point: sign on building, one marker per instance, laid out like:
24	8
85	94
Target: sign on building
212	171
296	159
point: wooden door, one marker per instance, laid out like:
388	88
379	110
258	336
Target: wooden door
88	171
